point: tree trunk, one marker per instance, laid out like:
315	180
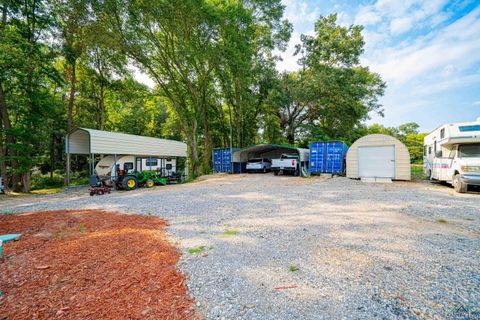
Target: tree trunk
101	107
194	150
9	139
207	139
71	100
3	153
26	181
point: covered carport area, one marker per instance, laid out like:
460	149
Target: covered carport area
97	144
270	151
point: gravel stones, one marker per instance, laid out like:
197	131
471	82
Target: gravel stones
362	250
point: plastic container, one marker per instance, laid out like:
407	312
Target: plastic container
328	157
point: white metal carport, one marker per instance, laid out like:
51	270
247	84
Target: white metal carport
96	142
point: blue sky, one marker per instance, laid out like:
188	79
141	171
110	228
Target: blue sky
428	52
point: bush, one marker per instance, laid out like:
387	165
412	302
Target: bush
39	181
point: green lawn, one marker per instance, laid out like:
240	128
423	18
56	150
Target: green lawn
417	172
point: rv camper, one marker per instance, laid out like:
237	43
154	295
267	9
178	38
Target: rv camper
451	153
105	167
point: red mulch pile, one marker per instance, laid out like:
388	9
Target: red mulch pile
90	264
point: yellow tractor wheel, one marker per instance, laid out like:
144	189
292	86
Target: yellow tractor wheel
130	183
149	184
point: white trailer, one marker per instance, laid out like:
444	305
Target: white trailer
106	166
451	153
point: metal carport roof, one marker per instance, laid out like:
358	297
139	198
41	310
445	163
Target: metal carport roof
90	141
238	156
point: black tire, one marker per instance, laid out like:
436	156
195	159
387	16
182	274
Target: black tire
458	184
130	183
264	170
92	193
275	172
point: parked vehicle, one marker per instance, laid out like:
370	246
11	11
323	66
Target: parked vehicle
259	165
288	163
452	154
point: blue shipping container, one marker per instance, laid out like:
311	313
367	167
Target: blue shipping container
222	160
328	157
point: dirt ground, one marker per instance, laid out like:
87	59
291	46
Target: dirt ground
90	264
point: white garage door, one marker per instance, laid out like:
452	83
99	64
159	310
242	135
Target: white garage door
378	162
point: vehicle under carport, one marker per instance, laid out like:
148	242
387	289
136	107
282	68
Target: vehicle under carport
271	151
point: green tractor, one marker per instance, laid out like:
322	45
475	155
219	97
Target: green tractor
133	180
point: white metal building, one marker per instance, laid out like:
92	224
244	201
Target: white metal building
378	156
115	145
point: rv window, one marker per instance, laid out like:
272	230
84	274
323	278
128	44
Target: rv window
152	162
442	133
169	166
469	151
429	150
424	150
469	128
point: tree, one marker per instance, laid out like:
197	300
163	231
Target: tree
340	93
26	100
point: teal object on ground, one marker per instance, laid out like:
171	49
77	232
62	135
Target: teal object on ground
9	237
4	238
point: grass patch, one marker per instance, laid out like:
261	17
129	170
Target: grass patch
199	249
81	228
293	268
230	232
417	172
7	213
48	191
442	221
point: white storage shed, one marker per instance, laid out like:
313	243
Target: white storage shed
378	156
96	142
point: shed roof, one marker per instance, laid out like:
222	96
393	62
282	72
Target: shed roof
239	156
87	141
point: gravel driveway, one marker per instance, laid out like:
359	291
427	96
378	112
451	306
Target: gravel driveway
265	247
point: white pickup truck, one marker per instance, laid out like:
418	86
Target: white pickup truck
288	163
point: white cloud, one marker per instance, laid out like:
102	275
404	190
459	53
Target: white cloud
401	16
457	44
367	16
476	103
298	11
401	25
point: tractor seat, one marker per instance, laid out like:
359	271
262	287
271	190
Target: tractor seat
94	181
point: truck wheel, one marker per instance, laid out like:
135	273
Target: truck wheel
275	172
459	185
264	170
149	183
130	183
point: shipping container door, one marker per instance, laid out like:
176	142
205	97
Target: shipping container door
334	157
313	157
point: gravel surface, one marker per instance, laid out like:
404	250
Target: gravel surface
265	247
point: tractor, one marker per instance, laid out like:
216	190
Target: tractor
132	180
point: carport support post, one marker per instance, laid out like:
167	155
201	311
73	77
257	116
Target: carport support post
68	169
